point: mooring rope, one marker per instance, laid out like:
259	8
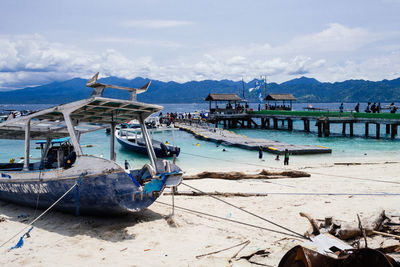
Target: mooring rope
43	213
251	213
356	178
233	221
38	195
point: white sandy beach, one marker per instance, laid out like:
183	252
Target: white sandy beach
147	239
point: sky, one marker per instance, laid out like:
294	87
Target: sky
43	41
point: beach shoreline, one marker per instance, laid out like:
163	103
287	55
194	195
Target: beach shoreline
149	238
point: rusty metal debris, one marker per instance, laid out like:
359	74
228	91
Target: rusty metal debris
327	248
303	257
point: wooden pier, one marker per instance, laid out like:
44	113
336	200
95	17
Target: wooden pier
229	138
283	120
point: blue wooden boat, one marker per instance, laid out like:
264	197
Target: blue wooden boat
136	143
95	185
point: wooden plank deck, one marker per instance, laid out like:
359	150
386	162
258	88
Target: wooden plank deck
230	138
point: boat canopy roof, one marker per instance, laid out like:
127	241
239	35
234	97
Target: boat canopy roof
54	141
87	115
223	97
280	97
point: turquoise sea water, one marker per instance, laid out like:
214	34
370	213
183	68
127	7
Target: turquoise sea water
198	154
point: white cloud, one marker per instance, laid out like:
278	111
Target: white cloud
155	24
141	42
336	38
30	60
336	53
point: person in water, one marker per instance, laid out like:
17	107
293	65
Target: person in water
277	157
286	161
260	152
127	165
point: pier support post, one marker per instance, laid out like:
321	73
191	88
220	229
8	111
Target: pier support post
378	130
248	123
326	128
366	129
344	128
262	123
275	123
283	122
307	125
268	123
351	129
394	131
387	128
224	123
319	125
290	124
253	122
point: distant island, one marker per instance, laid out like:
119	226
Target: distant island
304	89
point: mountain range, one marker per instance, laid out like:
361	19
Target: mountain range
304	89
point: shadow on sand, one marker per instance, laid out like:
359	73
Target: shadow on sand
113	229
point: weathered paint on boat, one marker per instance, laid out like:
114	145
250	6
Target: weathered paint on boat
103	188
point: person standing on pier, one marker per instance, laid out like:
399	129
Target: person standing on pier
286	161
373	107
393	108
341	108
367	110
357	107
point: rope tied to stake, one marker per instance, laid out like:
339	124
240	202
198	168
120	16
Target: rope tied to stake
21	240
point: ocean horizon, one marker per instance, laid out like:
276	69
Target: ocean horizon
203	155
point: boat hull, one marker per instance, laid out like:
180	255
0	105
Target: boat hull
111	191
160	153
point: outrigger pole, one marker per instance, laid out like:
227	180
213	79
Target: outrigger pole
99	88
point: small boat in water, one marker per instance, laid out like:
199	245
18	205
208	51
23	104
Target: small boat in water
135	142
83	183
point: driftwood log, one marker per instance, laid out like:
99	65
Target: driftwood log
371	225
314	225
264	174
